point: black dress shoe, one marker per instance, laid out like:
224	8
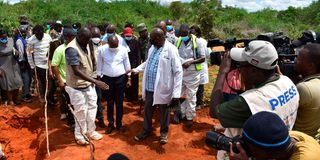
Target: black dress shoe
141	136
120	129
109	130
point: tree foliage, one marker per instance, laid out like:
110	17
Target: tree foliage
214	19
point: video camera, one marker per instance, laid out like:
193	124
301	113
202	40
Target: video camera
285	51
227	45
221	142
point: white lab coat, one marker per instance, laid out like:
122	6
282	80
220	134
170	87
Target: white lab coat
169	75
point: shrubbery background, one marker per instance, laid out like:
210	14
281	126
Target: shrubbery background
215	20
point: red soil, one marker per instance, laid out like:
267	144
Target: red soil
22	137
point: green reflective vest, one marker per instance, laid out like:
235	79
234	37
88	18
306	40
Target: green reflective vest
195	51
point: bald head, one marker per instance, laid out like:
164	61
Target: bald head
169	22
111	28
84	36
113	42
95	31
162	25
157	37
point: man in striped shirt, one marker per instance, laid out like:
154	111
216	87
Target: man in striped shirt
37	48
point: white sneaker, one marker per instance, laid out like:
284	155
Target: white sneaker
82	142
63	116
95	136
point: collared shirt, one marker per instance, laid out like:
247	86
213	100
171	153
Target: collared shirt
59	60
152	69
40	51
112	64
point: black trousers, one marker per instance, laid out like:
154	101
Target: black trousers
115	95
41	75
132	92
200	93
148	111
64	106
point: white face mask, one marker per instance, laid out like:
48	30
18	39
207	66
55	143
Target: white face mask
95	40
113	49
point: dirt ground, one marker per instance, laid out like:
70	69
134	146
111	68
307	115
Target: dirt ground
22	135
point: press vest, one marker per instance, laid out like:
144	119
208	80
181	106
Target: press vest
86	66
280	97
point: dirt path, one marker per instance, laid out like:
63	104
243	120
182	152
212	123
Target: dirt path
22	137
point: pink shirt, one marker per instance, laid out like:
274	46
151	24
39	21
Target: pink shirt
233	78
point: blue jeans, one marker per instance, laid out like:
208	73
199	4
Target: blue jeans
26	79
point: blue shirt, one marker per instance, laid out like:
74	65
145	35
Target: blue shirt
152	69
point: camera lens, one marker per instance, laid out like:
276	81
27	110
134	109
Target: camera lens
220	141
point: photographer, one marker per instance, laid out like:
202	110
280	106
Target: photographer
267	140
265	90
308	65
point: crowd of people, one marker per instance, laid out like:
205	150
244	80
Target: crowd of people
85	64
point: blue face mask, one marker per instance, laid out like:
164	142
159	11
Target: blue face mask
169	28
110	34
4	40
128	38
107	35
185	38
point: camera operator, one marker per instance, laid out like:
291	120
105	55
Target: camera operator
308	66
265	90
267	140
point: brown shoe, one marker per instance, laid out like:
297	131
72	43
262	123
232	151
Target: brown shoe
189	123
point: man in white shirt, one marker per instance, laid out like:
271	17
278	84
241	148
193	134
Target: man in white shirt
161	84
113	65
37	49
170	35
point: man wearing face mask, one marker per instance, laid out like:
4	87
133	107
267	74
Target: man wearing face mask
96	43
37	49
111	31
143	41
162	25
80	85
171	37
131	92
114	66
58	65
192	55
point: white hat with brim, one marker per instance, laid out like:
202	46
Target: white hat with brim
237	54
261	54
